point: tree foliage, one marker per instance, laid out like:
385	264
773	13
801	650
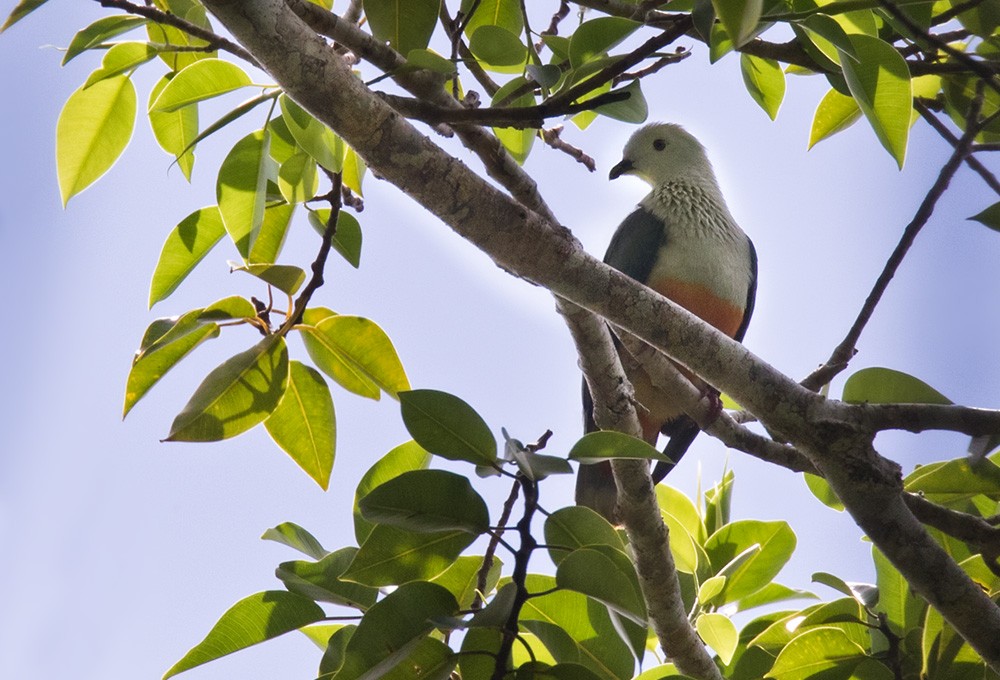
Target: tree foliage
426	592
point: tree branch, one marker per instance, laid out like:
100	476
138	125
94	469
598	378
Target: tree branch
524	242
160	17
970	160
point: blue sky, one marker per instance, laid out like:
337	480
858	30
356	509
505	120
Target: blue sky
121	551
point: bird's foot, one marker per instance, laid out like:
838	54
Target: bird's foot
714	404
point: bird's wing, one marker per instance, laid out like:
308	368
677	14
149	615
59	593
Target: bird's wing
751	294
636	244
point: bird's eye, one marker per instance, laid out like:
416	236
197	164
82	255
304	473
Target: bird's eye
659	144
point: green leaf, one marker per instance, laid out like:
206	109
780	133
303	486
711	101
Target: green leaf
192	49
347	239
393	628
320	581
232	307
252	620
241	188
354	171
503	13
719	633
405	457
989	217
771	594
576	527
595	37
498	49
765	81
273	229
718	503
405	24
304	425
953	481
822	490
430	60
829	37
297	178
235	396
517	142
815	652
631	110
120	58
673	502
390	556
462	578
93	35
222	122
285	277
429	659
94	128
21	10
880	83
447	426
204	79
425	501
576	629
314	137
187	244
903	610
864	594
836	112
739	18
356	353
175	132
294	536
596	447
776	542
174	343
886	386
607	575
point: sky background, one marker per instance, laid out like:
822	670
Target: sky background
119	552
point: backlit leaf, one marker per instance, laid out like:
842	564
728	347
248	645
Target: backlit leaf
252	620
835	112
235	396
607	575
817	651
314	137
187	244
739	17
94	128
405	24
204	79
989	217
320	580
347	238
294	536
595	37
121	58
719	633
93	35
175	132
880	83
304	425
241	188
886	386
776	542
356	353
765	81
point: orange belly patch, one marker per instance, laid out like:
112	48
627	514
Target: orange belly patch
702	302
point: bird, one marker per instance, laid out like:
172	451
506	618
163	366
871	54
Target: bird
682	242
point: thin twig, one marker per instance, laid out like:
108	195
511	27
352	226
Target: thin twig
987	74
681	54
499	116
319	264
482	579
845	351
970	160
160	17
551	136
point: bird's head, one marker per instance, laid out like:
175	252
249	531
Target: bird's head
661	152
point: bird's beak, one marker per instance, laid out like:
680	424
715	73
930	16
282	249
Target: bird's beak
624	166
